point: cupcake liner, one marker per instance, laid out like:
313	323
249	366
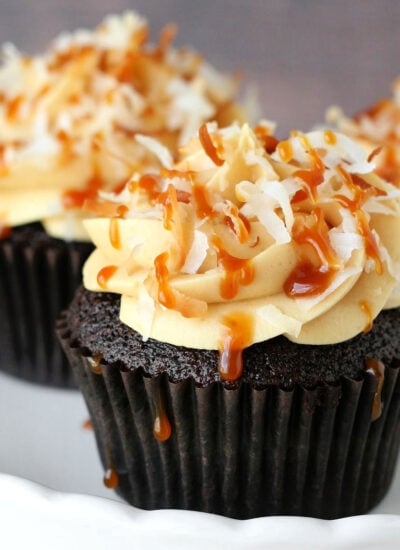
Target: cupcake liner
38	276
243	452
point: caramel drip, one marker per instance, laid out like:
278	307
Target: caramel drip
314	176
114	232
360	195
208	146
5	232
166	295
75	198
94	363
105	274
148	185
115	238
203	207
308	280
170	206
371	246
285	151
67	145
316	235
269	142
366	309
161	427
111	479
239	328
3	166
377	368
330	137
87	425
236	271
238	223
13	107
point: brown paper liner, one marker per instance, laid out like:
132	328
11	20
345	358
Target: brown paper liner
245	452
38	276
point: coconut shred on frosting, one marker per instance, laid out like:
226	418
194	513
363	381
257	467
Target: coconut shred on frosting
245	238
377	130
70	119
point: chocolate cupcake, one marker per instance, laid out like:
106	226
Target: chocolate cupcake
77	120
231	343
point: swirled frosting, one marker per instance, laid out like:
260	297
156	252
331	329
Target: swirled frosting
245	238
377	130
83	115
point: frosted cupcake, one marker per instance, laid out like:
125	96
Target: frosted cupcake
232	341
78	119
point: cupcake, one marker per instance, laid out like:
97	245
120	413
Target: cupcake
76	120
233	339
376	130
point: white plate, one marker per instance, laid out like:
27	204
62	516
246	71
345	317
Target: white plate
43	439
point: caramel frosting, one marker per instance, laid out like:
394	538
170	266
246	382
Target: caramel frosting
377	130
245	238
84	116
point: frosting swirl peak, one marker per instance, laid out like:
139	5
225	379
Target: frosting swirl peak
245	238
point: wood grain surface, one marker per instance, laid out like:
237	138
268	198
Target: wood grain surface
303	55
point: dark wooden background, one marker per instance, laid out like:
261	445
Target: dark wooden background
302	54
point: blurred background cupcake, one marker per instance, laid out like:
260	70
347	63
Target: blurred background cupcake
78	119
233	342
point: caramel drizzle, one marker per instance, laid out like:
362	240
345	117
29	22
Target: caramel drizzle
269	142
239	329
13	107
360	196
314	176
161	426
366	309
166	295
87	425
236	271
4	169
377	368
5	231
105	274
308	279
114	231
94	363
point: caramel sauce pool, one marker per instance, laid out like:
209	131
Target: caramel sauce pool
105	274
111	479
377	368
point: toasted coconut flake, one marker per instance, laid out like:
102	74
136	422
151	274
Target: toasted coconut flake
154	146
197	253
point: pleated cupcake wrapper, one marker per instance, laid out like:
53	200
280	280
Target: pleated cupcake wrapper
36	282
244	453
